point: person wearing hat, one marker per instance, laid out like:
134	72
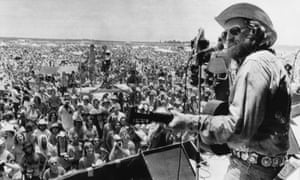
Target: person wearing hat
77	132
42	126
9	134
55	129
256	129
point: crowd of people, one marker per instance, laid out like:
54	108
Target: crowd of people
50	126
58	120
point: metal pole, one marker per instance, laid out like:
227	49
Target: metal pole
80	83
199	110
294	63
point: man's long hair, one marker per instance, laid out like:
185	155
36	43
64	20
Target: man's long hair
255	41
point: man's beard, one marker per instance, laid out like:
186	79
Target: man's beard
241	50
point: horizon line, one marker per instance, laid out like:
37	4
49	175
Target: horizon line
135	41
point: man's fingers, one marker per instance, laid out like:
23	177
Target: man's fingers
178	121
173	123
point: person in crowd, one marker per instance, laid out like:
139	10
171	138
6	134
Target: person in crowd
161	84
78	131
32	164
55	170
99	149
116	111
33	113
106	63
5	155
65	113
90	158
126	139
115	100
90	129
10	170
63	83
111	128
54	101
42	128
44	147
29	129
256	129
52	118
55	129
9	135
17	150
74	101
118	151
87	106
38	104
151	99
105	105
96	115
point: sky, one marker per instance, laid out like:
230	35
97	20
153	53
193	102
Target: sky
135	20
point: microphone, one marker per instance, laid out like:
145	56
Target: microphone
204	55
199	42
218	47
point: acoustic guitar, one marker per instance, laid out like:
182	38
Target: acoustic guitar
214	107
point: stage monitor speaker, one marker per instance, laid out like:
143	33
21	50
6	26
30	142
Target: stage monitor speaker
168	163
157	164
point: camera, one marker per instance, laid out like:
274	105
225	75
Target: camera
119	143
2	164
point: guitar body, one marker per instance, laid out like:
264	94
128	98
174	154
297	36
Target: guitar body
216	107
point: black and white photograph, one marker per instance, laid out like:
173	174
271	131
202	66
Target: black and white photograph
149	90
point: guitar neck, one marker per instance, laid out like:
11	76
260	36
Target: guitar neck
213	107
145	118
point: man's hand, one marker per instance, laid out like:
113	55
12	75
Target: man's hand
181	121
2	163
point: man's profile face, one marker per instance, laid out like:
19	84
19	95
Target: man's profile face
235	37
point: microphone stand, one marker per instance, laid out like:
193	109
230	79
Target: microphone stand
198	157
